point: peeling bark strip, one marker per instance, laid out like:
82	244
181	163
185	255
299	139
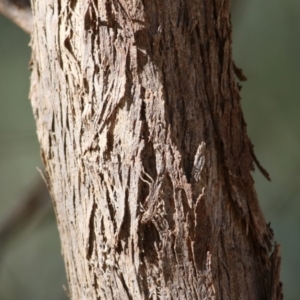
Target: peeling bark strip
146	152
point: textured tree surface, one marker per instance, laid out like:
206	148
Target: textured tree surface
146	152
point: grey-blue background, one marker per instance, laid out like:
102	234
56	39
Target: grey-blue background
266	46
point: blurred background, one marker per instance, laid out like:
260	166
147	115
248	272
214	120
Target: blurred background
266	45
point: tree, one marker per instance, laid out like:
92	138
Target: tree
146	152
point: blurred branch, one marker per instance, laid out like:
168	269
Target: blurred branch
18	11
257	163
32	203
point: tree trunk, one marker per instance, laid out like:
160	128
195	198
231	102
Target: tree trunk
146	152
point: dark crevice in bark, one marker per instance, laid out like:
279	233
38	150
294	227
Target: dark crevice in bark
128	97
74	203
92	235
96	286
149	240
53	123
183	16
123	234
110	141
183	198
67	43
149	237
111	18
67	120
65	147
90	19
125	287
149	160
203	234
110	207
86	86
167	195
59	7
143	192
72	4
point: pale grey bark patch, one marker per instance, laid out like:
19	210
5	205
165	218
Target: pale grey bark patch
199	162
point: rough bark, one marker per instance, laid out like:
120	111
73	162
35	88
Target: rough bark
146	152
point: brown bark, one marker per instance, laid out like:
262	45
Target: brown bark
146	152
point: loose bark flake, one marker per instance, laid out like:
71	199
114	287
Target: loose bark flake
146	151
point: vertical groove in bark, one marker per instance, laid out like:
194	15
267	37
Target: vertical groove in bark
146	151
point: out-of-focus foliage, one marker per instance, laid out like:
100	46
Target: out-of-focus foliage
266	46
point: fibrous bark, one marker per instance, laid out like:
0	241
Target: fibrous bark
146	152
